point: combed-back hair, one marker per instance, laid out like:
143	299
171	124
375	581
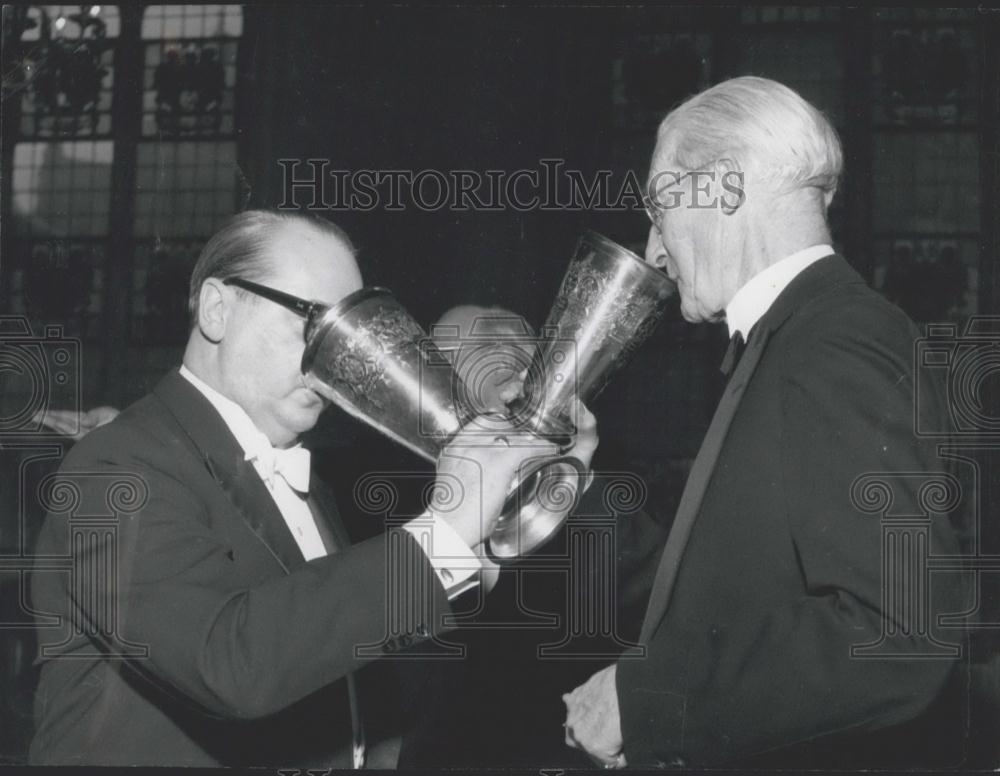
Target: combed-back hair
776	136
241	247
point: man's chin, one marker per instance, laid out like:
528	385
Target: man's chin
306	418
298	421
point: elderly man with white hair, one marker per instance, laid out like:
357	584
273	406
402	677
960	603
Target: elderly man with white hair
778	631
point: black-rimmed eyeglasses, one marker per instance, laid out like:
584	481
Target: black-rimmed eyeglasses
308	309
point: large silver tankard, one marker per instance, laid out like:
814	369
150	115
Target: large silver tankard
368	356
609	302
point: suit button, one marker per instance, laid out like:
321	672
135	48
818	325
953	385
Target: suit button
390	646
422	631
405	641
678	762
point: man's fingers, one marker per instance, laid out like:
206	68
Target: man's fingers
62	424
488	430
101	415
512	389
591	723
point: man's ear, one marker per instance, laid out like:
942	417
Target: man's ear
213	309
730	178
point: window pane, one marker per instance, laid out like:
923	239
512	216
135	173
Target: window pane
61	189
810	62
932	279
190	69
59	282
159	299
65	70
46	21
185	189
925	76
189	88
167	22
926	182
658	71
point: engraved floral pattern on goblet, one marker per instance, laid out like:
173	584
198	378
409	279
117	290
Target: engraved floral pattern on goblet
359	371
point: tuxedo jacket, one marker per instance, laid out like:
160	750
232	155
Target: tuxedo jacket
772	583
178	621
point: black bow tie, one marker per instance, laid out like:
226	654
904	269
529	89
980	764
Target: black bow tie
736	347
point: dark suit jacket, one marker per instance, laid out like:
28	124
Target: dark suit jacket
771	573
190	630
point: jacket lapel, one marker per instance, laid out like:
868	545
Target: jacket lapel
224	459
697	483
812	281
327	517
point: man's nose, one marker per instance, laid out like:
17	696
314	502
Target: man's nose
656	254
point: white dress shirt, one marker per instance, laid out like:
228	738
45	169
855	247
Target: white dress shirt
258	450
454	562
755	298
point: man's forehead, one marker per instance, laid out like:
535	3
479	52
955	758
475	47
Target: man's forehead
302	239
660	164
462	317
301	245
485	320
309	262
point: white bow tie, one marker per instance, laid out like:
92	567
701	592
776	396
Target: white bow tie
291	464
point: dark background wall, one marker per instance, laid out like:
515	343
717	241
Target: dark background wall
913	93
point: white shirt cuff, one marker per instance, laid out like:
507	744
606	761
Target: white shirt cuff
455	564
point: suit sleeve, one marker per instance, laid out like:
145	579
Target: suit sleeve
846	411
238	651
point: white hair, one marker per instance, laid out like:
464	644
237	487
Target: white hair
775	136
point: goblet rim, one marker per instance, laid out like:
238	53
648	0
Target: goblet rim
589	235
332	314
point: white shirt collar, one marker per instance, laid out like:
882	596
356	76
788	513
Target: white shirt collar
256	446
755	298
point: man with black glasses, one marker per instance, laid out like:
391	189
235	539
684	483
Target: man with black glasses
219	614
